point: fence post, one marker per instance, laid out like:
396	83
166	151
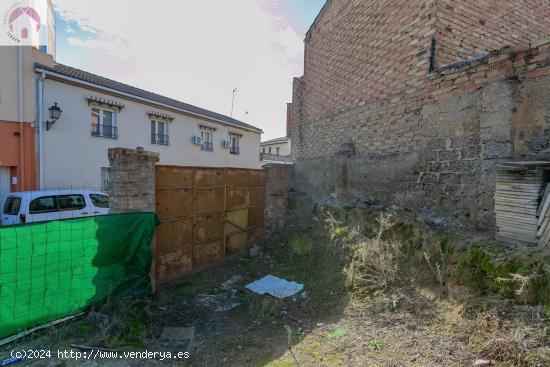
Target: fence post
132	180
132	186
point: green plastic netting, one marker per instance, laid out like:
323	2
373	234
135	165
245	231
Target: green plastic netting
50	270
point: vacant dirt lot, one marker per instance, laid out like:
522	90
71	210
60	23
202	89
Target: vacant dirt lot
331	323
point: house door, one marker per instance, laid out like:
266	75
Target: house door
4	184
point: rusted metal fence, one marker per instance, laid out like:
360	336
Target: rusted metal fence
207	214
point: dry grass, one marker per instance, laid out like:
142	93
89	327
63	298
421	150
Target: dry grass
378	293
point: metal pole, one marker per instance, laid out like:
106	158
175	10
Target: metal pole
41	129
233	101
21	170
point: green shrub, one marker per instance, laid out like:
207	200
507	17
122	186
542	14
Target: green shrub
523	277
301	245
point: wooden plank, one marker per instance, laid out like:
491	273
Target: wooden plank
519	221
542	228
545	239
515	210
517	231
518	187
543	210
516	236
528	210
519	227
544	200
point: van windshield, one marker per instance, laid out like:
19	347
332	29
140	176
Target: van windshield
11	206
100	201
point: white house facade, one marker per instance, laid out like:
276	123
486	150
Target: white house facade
276	151
98	114
278	146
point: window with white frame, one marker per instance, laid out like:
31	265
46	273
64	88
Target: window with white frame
234	141
159	131
103	123
207	138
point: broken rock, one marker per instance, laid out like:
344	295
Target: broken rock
231	282
254	251
217	302
482	363
178	334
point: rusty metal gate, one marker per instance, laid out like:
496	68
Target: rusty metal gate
207	214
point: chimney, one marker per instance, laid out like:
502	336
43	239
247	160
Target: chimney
288	119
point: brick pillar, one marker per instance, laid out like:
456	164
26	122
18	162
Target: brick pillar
132	180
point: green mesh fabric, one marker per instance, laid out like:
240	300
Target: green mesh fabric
51	270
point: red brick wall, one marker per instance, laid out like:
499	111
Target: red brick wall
470	27
288	119
359	51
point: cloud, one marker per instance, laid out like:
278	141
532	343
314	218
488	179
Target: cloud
69	29
195	51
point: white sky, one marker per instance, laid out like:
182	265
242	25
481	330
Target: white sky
194	51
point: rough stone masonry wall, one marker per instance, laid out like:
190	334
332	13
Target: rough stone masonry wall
278	183
474	116
434	150
132	180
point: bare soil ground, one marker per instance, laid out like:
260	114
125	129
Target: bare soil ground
324	326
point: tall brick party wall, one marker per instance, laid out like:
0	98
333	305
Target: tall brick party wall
378	118
471	27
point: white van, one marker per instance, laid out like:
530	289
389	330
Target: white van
38	206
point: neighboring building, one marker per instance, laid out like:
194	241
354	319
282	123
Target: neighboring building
18	161
278	146
279	150
415	102
98	114
17	158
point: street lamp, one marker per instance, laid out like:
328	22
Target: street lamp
55	113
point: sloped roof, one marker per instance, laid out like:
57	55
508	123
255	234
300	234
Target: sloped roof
284	139
128	89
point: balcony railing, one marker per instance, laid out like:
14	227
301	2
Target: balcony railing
159	139
104	131
208	146
234	150
273	158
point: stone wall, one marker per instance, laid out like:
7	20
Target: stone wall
278	182
132	180
432	149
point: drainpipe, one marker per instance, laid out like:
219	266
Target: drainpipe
41	128
21	169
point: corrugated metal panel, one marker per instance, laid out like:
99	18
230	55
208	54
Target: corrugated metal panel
174	203
174	235
207	253
173	265
237	197
206	213
208	228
